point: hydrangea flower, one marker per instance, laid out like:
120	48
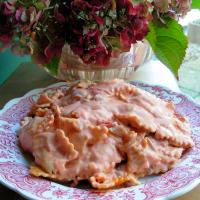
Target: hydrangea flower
95	30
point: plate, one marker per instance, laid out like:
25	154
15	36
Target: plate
14	166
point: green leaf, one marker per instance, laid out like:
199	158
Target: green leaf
168	43
114	42
138	1
53	65
195	4
40	5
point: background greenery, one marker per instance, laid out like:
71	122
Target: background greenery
196	4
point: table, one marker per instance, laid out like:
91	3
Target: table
30	78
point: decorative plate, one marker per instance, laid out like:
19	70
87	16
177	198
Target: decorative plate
14	166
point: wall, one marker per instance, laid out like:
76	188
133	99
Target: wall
8	64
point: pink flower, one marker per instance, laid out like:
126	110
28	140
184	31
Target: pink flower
20	14
98	56
184	6
91	48
45	51
58	15
139	28
5	40
54	49
81	43
136	31
134	9
92	38
100	4
126	38
102	56
8	7
122	3
27	18
98	19
79	5
178	6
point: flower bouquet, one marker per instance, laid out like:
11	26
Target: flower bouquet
93	34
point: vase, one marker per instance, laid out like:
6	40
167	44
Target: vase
71	67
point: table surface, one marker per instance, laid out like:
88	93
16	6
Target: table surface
30	78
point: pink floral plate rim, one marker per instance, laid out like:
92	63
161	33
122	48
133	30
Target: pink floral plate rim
14	165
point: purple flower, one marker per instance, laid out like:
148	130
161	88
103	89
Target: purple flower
27	18
20	14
